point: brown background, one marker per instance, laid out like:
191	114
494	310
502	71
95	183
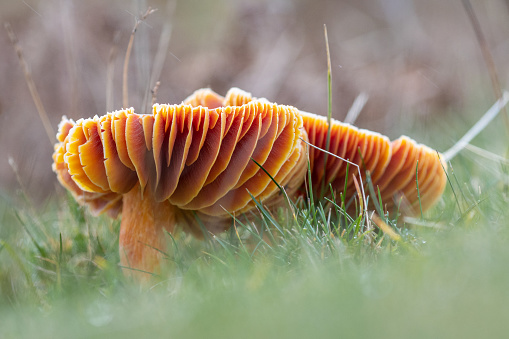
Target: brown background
418	61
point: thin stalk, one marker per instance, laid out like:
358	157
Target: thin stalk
31	85
488	58
125	91
356	108
477	128
329	109
361	188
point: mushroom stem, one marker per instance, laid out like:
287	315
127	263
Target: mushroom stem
142	241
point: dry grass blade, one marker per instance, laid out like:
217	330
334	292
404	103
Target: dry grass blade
477	128
162	52
488	58
361	188
487	154
329	105
423	223
110	70
125	90
356	108
31	84
385	228
359	193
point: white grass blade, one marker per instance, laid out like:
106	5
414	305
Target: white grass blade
477	128
487	154
356	108
351	163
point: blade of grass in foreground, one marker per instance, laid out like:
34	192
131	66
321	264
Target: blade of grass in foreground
21	265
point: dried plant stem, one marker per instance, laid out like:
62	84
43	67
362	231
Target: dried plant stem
477	128
110	72
162	51
356	108
361	188
487	154
488	58
329	106
359	193
125	91
31	85
386	228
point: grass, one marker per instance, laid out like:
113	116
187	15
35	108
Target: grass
281	276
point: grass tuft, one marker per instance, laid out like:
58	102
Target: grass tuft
272	267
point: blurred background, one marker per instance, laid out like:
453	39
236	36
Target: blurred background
418	61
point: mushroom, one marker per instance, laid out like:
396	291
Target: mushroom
191	164
179	164
393	166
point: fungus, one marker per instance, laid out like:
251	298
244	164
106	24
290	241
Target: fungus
393	166
179	164
190	165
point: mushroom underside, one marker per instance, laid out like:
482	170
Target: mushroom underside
182	165
196	164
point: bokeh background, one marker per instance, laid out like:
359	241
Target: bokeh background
418	61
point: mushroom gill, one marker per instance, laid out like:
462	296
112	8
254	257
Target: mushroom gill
180	163
393	166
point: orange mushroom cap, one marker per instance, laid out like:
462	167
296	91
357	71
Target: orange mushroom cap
195	157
